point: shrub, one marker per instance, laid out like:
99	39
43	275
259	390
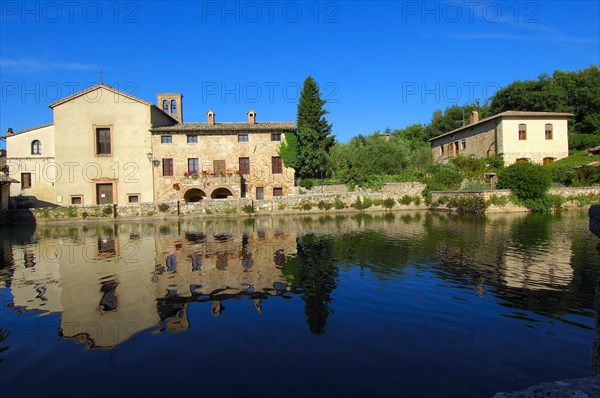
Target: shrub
281	206
586	175
498	200
324	205
107	210
248	209
84	215
150	213
416	200
71	211
467	204
388	203
525	180
230	210
338	204
561	174
307	183
445	176
377	202
426	194
358	204
367	202
305	205
163	207
405	200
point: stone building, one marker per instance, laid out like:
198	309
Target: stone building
539	137
106	146
220	160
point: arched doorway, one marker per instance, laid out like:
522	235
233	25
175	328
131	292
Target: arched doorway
194	195
221	193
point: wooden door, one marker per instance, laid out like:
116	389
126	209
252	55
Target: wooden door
104	194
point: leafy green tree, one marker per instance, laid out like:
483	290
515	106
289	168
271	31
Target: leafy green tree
574	92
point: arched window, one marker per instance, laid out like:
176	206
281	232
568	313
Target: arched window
549	160
173	106
548	130
522	160
36	147
166	106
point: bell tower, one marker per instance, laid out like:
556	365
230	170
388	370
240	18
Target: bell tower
171	104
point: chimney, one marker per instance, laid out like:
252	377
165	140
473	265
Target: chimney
474	117
210	115
9	131
251	117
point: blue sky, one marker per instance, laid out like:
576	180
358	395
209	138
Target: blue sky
378	64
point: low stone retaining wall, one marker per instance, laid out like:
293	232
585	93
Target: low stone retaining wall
400	196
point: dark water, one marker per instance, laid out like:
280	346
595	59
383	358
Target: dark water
404	304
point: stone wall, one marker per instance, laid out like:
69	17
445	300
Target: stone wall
406	196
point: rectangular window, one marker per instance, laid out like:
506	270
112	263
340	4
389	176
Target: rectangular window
442	150
242	137
192	139
167	166
193	165
463	144
276	166
522	132
76	200
548	131
103	146
260	193
133	198
219	168
276	137
277	191
25	180
166	139
244	165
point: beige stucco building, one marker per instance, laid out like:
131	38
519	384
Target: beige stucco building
108	147
538	137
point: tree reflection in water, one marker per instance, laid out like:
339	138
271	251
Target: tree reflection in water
315	272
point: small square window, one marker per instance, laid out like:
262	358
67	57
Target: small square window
133	198
192	139
242	137
166	139
276	137
76	200
277	191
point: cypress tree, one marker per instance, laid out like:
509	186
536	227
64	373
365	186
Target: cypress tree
311	114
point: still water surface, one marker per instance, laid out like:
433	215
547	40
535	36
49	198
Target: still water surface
404	304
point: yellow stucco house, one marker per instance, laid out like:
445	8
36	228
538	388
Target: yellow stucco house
105	147
538	137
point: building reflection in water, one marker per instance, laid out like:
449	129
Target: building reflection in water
111	282
111	286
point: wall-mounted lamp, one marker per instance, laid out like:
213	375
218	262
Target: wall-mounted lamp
155	162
